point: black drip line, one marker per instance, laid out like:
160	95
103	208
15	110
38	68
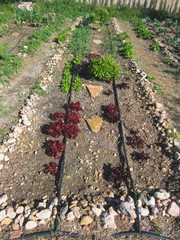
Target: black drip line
137	231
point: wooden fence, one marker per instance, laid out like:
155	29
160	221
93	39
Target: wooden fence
172	6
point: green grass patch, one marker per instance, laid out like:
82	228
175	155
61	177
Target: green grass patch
37	89
79	43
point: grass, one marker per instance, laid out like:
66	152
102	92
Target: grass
157	229
37	89
4	110
80	38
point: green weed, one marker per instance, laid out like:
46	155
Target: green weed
151	78
62	37
122	36
157	229
158	89
79	43
37	89
4	110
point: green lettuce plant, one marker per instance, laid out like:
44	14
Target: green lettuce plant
104	68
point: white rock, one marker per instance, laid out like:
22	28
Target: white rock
97	41
70	216
10	212
21	221
11	140
1	166
144	212
20	210
3	198
17	219
162	194
3	214
1	156
6	158
86	220
26	123
30	225
51	206
44	214
42	222
96	211
112	212
27	213
151	202
108	221
76	211
173	210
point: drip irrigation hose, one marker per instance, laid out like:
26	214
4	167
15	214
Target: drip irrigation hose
126	158
140	234
17	43
48	233
138	223
63	159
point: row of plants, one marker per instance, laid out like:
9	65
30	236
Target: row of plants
66	125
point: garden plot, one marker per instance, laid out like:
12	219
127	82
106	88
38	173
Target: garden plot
92	159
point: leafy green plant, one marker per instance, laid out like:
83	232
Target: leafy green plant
151	78
104	68
37	89
128	49
77	83
102	15
155	47
62	36
122	36
66	79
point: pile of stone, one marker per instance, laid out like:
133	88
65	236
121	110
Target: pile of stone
25	5
104	207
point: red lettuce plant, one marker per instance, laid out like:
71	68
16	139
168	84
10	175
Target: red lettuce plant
71	130
74	106
51	168
56	129
137	141
111	113
58	116
72	117
140	157
55	149
118	174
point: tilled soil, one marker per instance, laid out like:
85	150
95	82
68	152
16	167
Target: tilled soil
90	155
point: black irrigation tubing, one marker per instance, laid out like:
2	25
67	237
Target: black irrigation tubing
135	196
18	42
59	187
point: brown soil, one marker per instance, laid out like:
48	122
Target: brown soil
90	154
